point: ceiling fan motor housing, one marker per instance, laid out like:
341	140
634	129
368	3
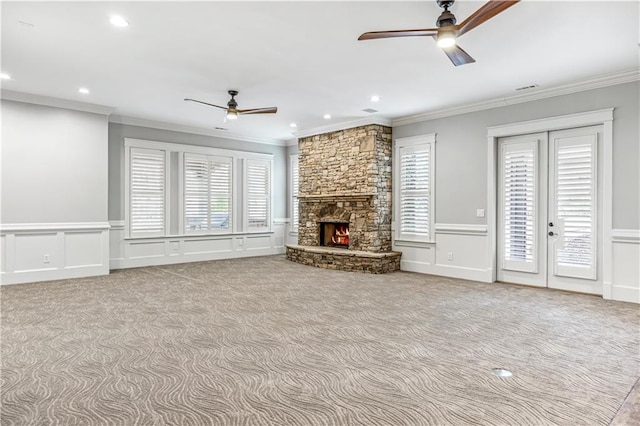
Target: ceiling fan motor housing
446	18
232	103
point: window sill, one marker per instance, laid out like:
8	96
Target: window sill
195	236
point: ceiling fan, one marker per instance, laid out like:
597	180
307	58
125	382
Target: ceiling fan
232	107
447	31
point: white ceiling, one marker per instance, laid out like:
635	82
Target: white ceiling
302	57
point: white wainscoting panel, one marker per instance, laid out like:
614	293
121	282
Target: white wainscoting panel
132	253
3	254
51	251
465	245
625	283
208	245
83	249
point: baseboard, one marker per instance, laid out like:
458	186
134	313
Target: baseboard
122	263
625	294
53	274
473	274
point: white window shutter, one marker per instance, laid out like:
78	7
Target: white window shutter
295	214
415	214
258	181
220	188
575	207
146	192
207	193
519	205
196	193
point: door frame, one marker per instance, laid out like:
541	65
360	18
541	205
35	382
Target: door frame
602	117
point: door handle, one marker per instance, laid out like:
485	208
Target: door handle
551	234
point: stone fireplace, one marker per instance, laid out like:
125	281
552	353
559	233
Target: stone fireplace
345	201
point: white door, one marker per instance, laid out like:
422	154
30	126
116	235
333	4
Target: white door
548	226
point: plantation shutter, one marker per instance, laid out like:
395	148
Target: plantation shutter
146	192
294	191
258	179
415	193
207	193
220	194
196	193
574	190
519	202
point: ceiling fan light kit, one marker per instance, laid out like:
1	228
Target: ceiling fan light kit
447	32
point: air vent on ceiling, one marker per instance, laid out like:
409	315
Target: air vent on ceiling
533	86
370	110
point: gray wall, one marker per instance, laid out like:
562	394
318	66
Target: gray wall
54	165
461	150
117	133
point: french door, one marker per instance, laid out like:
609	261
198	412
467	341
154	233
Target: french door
548	210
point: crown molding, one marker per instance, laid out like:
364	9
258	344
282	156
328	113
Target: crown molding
31	98
382	121
566	89
175	127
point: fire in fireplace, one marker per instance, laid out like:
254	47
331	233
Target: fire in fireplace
334	234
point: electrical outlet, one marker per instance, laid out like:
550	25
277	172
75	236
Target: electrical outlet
47	258
480	213
450	256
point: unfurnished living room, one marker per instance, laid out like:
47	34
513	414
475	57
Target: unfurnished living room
320	213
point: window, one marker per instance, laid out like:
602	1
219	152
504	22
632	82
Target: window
258	195
414	193
207	193
146	192
519	204
176	189
294	193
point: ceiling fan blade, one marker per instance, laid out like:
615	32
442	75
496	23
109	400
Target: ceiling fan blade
458	56
205	103
486	12
270	110
398	33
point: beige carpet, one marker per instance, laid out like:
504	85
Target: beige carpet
263	341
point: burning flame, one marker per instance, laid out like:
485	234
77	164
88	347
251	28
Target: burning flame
341	236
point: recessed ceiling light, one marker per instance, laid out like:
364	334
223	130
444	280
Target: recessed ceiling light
327	116
294	125
83	90
5	76
501	372
118	21
375	98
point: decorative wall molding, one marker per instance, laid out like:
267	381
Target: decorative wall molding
625	236
50	251
382	121
460	229
31	98
175	127
594	83
133	253
52	227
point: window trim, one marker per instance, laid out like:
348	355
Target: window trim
413	141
